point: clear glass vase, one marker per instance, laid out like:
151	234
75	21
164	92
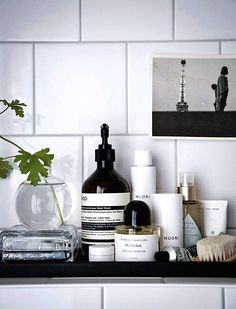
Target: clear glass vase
44	206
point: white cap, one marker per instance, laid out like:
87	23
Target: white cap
101	253
142	157
172	253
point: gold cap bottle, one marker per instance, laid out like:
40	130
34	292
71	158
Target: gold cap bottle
186	187
191	210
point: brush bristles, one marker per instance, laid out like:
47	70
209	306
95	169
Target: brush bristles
216	248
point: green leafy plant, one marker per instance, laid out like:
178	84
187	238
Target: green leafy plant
35	165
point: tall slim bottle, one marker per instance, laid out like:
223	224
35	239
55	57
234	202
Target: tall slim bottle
104	196
143	177
191	210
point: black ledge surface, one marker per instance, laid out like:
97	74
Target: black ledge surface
118	269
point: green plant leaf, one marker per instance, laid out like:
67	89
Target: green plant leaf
15	105
5	168
36	165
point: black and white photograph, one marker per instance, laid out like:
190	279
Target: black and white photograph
194	96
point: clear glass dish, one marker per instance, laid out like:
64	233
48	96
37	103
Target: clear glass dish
19	243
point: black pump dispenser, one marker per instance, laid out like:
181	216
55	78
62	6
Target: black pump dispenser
104	151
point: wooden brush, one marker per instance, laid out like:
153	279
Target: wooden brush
216	248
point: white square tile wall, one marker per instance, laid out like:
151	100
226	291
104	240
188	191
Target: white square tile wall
45	296
111	20
159	297
75	82
229	48
16	82
205	19
230	298
80	63
39	20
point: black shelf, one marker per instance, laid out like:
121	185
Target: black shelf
117	269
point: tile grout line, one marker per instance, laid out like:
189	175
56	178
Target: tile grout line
73	135
34	92
126	89
223	298
102	298
176	163
173	20
220	48
80	20
120	41
82	158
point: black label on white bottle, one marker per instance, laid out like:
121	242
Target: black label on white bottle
136	247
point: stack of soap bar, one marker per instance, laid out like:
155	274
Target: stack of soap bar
21	244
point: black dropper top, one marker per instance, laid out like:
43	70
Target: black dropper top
137	213
104	151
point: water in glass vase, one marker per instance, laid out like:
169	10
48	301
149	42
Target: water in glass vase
45	206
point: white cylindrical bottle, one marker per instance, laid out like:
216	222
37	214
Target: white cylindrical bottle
143	177
168	214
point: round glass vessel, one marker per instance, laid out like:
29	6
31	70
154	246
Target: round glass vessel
45	206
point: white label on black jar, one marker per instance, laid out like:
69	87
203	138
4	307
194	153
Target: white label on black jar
100	214
135	247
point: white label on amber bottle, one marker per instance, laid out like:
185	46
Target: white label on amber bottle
191	232
100	214
135	247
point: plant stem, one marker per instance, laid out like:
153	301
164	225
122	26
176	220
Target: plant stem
7	140
57	203
10	157
4	110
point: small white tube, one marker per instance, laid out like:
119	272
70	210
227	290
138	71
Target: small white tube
214	214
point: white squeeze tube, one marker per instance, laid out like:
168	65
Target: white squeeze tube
143	177
214	214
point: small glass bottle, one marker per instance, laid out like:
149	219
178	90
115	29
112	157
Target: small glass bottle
137	240
191	210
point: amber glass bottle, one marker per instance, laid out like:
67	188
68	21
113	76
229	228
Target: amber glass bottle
104	196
